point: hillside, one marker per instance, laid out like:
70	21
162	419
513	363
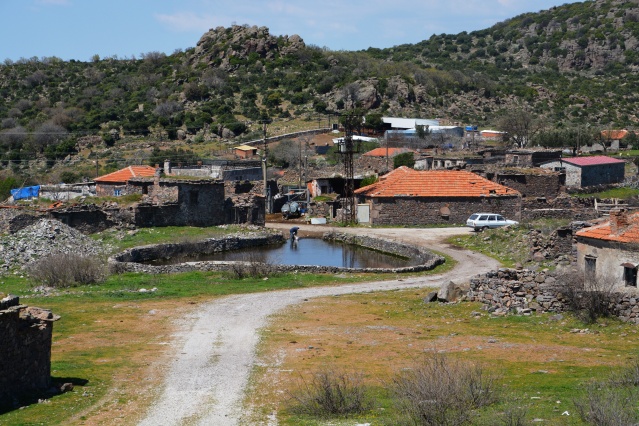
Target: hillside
572	65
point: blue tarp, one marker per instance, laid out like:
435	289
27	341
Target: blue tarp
27	192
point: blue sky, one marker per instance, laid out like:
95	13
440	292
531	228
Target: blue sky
79	29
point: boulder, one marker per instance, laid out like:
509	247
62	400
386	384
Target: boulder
451	292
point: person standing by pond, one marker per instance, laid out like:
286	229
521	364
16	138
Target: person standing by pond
293	232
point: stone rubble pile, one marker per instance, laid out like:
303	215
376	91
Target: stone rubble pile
41	239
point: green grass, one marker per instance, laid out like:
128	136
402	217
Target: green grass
620	193
93	313
120	240
541	364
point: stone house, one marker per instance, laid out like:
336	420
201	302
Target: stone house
530	157
192	202
608	253
532	182
114	184
413	197
589	171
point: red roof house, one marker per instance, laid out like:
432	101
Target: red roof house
387	152
608	253
589	171
114	183
419	197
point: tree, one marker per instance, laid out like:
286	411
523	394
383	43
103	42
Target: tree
374	121
405	159
520	125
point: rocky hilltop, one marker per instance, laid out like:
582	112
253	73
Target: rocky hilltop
228	48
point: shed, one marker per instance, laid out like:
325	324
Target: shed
245	151
589	171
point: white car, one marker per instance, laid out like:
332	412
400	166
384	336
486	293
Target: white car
481	221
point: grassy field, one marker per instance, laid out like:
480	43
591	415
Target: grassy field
113	337
542	361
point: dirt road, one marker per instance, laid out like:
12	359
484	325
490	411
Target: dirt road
214	351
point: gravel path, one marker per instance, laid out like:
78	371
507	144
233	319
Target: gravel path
214	353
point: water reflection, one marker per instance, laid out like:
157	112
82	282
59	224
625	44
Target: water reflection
306	251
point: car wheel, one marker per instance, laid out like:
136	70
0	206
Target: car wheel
484	228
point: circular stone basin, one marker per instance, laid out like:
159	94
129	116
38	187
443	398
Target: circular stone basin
306	251
335	252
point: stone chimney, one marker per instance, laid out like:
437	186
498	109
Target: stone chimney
618	220
167	167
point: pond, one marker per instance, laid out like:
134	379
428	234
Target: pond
306	251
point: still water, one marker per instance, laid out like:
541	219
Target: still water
306	251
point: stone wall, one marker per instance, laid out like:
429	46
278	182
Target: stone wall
25	336
547	185
525	292
428	211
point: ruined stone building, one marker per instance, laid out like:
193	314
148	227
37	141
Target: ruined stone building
25	361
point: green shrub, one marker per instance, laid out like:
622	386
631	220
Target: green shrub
330	392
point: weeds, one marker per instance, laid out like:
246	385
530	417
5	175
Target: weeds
253	265
330	392
605	405
68	269
441	392
588	299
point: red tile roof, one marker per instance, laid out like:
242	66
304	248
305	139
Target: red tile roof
591	161
123	175
614	134
627	234
381	152
406	182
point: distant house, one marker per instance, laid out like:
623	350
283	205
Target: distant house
492	134
413	197
530	157
114	184
589	171
245	151
387	152
607	253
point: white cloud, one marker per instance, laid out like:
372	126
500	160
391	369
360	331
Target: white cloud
54	2
190	22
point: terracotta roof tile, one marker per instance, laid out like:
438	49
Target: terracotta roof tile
381	152
628	234
614	134
123	175
406	182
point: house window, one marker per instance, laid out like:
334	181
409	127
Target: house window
117	192
590	267
629	274
560	169
516	159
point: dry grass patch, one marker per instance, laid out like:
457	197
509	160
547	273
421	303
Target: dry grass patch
541	360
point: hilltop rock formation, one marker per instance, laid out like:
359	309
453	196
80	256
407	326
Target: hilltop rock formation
227	48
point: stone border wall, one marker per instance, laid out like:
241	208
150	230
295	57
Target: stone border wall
525	292
128	261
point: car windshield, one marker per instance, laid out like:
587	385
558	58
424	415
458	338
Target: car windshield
473	217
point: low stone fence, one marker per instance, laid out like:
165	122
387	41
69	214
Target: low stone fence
525	291
129	260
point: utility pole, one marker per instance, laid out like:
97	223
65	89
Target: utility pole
348	148
265	124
